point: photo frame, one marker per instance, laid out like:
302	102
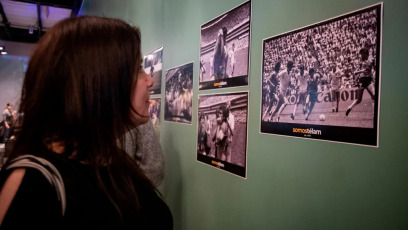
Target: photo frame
155	112
153	64
225	49
179	94
222	131
322	81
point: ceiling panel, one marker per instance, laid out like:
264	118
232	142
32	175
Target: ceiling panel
22	14
19	14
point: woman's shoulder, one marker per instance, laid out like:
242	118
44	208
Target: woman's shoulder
26	194
9	186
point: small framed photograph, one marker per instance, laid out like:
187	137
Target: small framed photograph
153	62
154	111
224	49
222	131
179	94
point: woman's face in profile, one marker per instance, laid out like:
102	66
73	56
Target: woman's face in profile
140	96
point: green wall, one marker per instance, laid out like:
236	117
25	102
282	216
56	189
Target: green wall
292	183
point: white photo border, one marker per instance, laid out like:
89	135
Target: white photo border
232	79
365	136
155	74
210	159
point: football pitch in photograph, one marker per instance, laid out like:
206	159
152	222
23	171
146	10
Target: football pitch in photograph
322	81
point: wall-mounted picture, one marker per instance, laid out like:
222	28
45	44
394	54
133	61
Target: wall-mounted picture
222	131
224	49
154	110
323	81
153	62
179	94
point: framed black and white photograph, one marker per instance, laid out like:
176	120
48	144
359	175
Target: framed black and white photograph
179	94
323	81
224	49
222	131
153	62
154	111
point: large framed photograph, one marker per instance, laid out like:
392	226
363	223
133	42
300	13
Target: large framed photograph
179	94
323	81
154	111
153	62
224	49
222	131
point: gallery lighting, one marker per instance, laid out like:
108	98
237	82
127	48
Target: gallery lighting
3	50
31	29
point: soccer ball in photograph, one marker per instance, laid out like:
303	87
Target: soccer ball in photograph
322	117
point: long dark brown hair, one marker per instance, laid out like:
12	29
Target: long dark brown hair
77	89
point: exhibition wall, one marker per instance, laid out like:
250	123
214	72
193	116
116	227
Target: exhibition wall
291	183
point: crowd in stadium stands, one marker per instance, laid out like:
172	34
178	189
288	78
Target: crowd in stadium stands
233	18
336	43
330	50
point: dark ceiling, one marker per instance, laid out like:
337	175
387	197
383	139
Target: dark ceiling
18	16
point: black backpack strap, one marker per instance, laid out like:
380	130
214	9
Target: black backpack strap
47	169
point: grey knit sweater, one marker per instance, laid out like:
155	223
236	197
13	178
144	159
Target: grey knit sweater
143	144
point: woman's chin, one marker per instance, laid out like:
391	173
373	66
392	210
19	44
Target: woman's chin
140	120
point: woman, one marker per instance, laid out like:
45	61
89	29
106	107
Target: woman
83	90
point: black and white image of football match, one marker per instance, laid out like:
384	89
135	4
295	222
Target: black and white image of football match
224	49
153	62
179	94
154	111
222	131
322	81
